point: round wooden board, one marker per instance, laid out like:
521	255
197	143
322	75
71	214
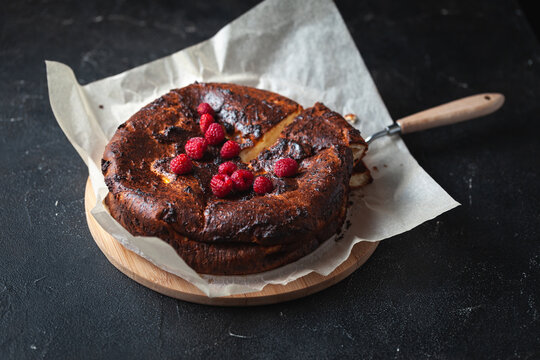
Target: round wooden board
149	275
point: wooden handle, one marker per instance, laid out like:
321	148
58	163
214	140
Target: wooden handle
453	112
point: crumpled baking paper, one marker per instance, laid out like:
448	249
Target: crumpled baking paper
302	50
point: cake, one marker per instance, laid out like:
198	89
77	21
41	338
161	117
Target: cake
241	232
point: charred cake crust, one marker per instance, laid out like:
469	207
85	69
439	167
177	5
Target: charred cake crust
243	233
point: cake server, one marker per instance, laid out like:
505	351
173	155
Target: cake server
467	108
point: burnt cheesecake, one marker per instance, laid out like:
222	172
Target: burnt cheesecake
238	180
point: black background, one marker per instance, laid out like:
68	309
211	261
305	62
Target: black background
464	285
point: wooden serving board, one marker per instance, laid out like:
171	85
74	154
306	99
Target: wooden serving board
149	275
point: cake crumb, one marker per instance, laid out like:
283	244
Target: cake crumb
351	118
375	168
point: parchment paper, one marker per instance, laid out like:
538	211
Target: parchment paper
299	49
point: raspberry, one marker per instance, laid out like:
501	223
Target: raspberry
242	179
229	150
285	167
181	164
221	185
195	147
215	134
262	185
227	168
205	108
206	120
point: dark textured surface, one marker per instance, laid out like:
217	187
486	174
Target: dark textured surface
463	285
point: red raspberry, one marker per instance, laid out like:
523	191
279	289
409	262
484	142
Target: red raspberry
229	150
195	147
227	168
215	134
285	167
262	185
206	120
221	185
181	164
242	179
205	108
